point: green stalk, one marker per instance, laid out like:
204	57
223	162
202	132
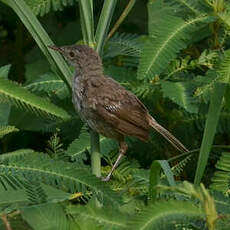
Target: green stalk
155	175
95	153
87	27
104	23
42	38
121	18
210	129
87	22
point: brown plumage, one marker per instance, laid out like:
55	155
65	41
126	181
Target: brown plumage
105	105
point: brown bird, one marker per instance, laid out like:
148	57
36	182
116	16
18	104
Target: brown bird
106	106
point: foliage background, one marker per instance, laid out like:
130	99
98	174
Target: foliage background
174	56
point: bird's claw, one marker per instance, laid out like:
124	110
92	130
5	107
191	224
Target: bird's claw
105	178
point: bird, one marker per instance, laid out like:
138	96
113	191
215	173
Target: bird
105	105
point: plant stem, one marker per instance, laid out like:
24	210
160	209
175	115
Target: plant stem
6	222
121	18
95	153
104	23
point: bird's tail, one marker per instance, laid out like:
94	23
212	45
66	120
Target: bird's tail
167	135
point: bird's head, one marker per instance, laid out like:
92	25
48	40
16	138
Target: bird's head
80	56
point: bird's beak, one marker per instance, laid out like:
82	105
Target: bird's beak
56	48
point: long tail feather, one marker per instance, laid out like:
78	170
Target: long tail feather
167	135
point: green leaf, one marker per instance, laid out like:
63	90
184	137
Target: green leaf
43	7
168	172
221	178
165	41
210	130
155	216
4	71
12	93
87	21
4	130
4	114
4	109
155	173
224	68
104	23
42	39
124	44
66	176
16	154
46	217
179	93
12	199
46	83
78	147
106	217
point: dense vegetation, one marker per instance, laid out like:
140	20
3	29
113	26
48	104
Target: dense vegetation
174	55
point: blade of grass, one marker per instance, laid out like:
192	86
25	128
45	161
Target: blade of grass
104	23
155	172
154	179
42	39
87	22
209	130
168	172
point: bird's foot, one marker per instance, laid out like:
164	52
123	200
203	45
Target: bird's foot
105	178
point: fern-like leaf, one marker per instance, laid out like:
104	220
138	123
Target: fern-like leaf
35	192
105	217
4	130
46	216
79	146
224	69
166	40
179	93
124	44
65	175
193	6
221	178
16	154
11	93
155	216
42	7
46	83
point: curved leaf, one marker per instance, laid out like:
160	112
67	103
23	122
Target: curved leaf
12	93
66	176
167	39
155	216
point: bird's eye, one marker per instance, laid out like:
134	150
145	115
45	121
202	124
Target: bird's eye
71	54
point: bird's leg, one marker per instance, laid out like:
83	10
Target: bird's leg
122	151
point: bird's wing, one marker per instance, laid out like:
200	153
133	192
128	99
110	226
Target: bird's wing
118	107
